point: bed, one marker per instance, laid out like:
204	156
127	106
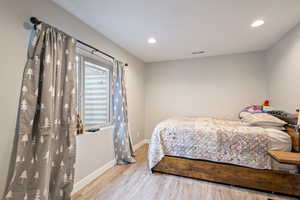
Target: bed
223	151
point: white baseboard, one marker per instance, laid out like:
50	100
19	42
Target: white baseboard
141	143
88	179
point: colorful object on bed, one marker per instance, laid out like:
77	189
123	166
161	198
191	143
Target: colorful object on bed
266	103
266	106
298	115
252	109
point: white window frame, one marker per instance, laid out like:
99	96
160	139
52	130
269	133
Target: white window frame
103	63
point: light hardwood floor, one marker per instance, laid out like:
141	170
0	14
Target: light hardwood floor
135	182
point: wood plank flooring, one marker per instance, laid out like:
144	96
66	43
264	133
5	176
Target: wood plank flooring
135	182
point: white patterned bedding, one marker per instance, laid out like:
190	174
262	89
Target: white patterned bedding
216	140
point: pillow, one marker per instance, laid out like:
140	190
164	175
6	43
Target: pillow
261	119
280	128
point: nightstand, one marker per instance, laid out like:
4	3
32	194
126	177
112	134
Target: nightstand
286	157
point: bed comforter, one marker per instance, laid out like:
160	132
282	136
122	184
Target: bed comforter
210	139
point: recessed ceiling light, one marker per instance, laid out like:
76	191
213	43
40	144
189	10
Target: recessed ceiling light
257	23
198	52
151	40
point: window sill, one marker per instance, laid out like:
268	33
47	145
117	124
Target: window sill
98	131
107	127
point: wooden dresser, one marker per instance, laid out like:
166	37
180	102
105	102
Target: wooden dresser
292	131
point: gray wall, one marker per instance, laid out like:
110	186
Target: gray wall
93	150
283	70
213	86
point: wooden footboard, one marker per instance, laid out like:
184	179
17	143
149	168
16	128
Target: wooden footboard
266	180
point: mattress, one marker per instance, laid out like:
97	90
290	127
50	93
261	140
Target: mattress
218	140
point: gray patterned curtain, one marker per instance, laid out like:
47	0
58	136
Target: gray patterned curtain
43	164
122	141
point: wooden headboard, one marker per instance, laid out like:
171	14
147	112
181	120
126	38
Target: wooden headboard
295	138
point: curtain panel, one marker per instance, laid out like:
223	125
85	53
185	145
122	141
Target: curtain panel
43	164
121	135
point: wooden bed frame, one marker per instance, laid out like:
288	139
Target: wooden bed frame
265	180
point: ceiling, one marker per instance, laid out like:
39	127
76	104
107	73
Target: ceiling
183	26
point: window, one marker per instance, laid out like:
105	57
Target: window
94	77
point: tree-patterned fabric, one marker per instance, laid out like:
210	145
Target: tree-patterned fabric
43	164
122	141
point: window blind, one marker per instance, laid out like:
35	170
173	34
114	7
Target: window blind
96	94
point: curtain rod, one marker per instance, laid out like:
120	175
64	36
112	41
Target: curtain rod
36	22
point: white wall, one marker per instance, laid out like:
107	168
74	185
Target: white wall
93	150
283	67
212	86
